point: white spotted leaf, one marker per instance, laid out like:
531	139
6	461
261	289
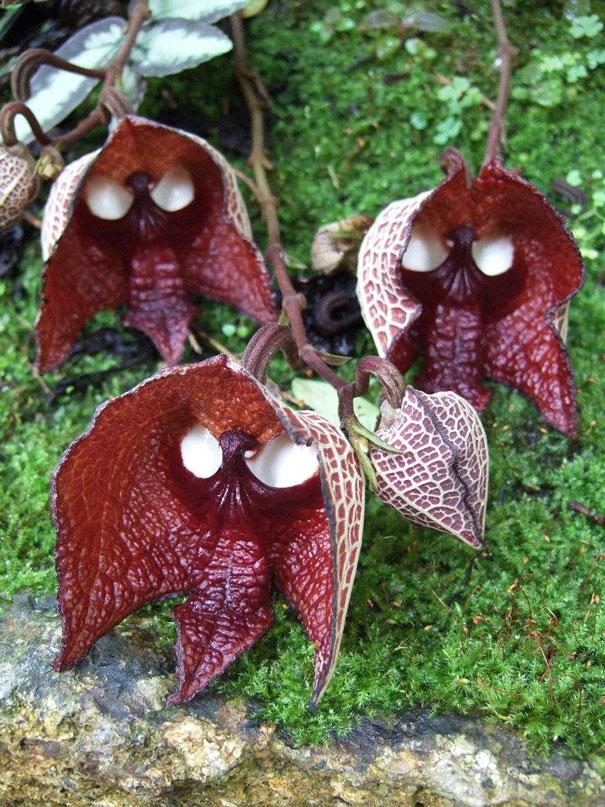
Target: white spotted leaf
168	46
206	10
56	93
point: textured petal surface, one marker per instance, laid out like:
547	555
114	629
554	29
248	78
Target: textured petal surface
308	586
158	302
526	347
508	325
387	308
210	241
79	281
126	536
451	342
58	208
228	613
440	477
135	523
218	247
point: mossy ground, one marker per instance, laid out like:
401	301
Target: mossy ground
516	634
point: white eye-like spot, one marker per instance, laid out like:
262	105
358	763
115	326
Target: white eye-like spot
425	250
493	254
175	190
201	452
107	199
281	463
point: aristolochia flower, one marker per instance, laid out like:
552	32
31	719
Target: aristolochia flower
151	220
476	278
198	482
436	473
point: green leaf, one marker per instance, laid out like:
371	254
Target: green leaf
171	45
56	93
323	398
202	10
447	130
418	121
588	26
574	178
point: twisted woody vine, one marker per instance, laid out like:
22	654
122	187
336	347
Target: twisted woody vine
202	480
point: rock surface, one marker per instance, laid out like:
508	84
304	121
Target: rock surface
103	735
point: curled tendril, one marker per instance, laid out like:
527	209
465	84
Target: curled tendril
32	59
269	340
334	312
390	379
7	124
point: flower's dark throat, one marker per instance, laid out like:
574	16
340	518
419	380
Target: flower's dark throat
146	222
150	222
234	494
460	283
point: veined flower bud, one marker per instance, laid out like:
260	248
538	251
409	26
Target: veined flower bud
19	183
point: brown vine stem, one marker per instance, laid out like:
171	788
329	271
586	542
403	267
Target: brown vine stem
292	303
108	101
140	13
7	124
34	58
505	52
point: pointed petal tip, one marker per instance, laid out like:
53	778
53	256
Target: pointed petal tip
318	691
63	661
57	664
186	691
568	427
176	699
475	541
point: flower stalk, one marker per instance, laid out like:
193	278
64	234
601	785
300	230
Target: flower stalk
506	51
292	302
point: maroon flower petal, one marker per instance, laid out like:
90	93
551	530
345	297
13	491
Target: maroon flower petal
224	266
524	348
468	323
127	532
84	282
135	523
439	477
92	258
320	588
527	352
451	341
228	613
304	564
158	303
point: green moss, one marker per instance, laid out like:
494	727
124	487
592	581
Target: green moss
431	624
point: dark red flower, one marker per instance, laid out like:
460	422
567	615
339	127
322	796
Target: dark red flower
151	220
476	278
198	482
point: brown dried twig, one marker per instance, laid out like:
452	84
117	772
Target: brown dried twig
598	518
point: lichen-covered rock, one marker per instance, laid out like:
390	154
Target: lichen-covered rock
103	735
